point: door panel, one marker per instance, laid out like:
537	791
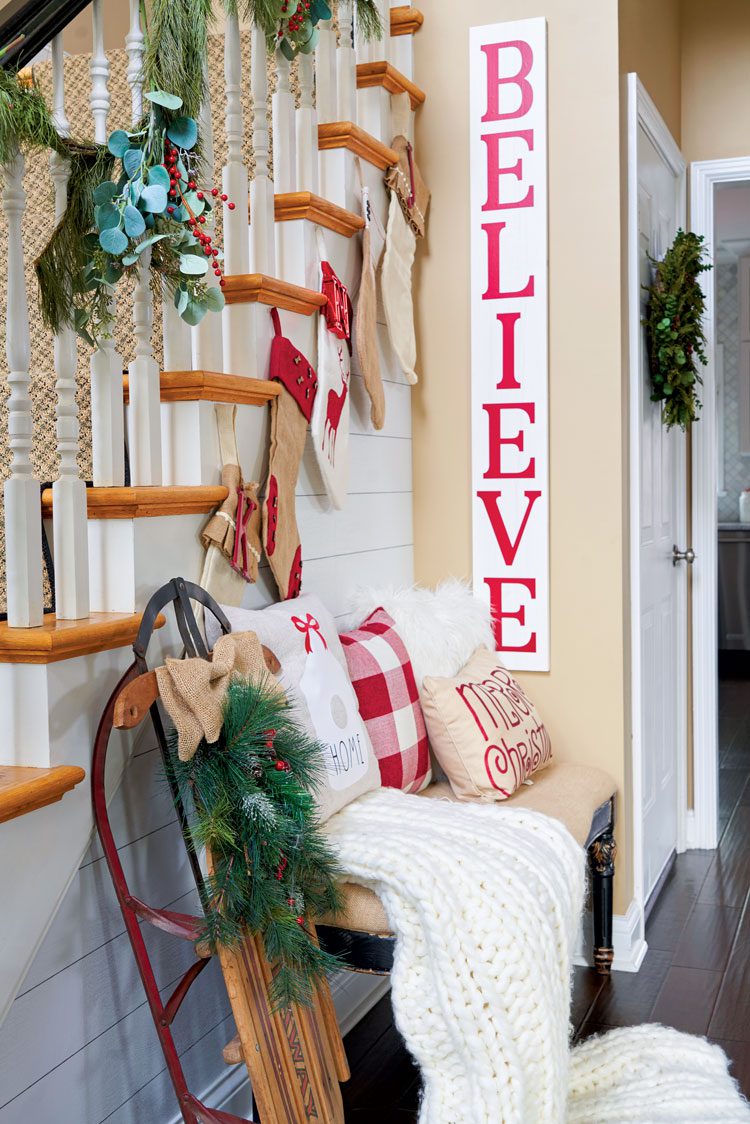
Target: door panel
661	596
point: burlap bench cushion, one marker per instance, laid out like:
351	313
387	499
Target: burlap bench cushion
566	792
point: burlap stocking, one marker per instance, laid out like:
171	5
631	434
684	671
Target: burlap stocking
231	559
290	413
406	222
365	321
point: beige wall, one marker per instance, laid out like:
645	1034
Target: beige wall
715	79
583	696
650	45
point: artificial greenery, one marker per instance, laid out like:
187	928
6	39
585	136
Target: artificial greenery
108	225
291	25
674	329
253	809
157	206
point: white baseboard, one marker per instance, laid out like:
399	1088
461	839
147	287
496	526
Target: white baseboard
627	940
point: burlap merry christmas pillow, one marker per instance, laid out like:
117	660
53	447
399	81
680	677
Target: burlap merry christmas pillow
484	730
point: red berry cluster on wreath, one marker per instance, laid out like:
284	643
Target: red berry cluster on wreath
297	18
176	198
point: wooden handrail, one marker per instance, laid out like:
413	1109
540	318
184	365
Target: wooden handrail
56	640
211	386
345	134
406	20
145	502
254	288
24	790
385	74
292	205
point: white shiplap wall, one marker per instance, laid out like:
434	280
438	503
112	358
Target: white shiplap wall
78	1046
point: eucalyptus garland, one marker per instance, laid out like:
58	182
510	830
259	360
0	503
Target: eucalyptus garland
251	794
674	329
292	25
157	206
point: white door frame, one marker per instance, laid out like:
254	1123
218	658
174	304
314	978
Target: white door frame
643	113
703	820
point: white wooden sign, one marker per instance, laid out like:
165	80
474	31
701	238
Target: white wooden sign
509	349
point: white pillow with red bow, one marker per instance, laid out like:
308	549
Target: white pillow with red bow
302	635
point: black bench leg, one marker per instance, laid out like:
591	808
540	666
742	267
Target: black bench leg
602	862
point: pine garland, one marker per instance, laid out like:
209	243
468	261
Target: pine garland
674	329
251	793
91	249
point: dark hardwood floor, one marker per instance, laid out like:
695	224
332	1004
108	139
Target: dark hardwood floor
696	974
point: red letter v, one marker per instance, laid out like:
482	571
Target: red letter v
508	549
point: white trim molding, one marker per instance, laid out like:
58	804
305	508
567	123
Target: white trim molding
627	940
705	175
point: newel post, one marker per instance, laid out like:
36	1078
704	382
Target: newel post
23	515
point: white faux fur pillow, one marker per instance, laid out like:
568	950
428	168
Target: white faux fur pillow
441	628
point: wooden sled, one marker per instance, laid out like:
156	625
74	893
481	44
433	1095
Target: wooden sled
295	1057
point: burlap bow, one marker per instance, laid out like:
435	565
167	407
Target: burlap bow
193	690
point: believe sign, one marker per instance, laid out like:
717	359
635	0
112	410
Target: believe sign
509	360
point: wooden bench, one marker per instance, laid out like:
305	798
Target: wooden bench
579	796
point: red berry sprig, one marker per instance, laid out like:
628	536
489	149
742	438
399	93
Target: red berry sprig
176	197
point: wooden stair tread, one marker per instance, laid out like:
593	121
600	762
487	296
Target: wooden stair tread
146	502
24	790
232	1052
406	20
291	205
212	386
259	288
381	73
345	134
55	640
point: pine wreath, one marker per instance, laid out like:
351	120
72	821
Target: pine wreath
674	329
253	808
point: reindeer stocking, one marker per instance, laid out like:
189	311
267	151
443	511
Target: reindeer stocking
329	426
290	413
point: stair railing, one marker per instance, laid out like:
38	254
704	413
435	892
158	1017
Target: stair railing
286	136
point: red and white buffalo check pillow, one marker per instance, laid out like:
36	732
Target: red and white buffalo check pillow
382	677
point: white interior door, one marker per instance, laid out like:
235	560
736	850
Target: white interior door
658	514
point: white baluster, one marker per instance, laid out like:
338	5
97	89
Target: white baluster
236	318
307	128
347	65
107	410
374	104
69	523
23	516
262	252
284	138
144	426
326	97
206	337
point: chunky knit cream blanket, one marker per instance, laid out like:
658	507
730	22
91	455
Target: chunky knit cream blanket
485	902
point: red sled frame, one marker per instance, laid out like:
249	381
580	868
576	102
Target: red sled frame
180	593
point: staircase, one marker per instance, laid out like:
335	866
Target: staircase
290	139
